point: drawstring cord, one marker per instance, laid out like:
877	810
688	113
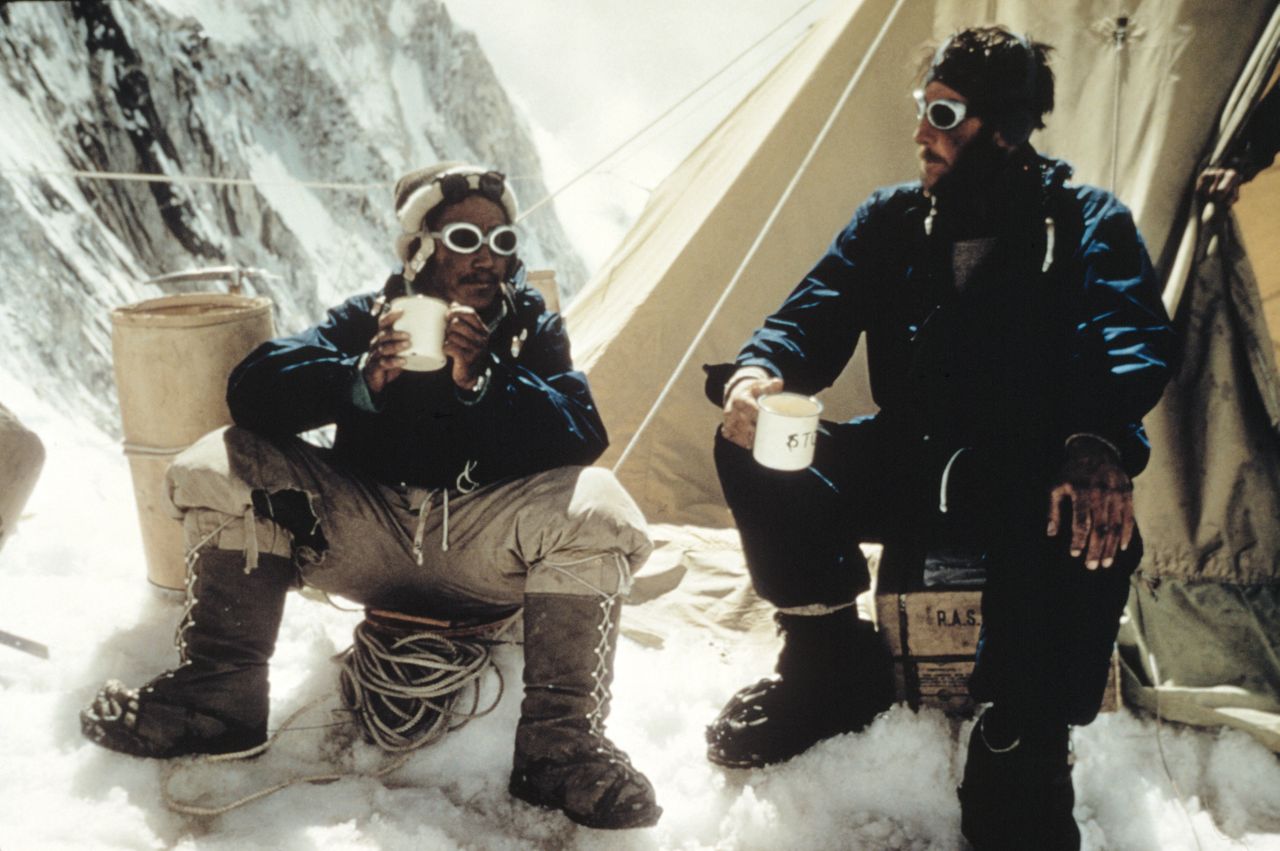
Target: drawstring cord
1048	244
424	509
444	526
464	484
250	540
946	475
1049	232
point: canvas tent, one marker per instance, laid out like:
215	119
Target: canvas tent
1204	634
1147	92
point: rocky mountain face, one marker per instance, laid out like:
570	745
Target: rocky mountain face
276	129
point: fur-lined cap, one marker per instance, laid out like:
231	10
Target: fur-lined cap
419	192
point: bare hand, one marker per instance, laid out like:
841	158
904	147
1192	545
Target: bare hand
1101	496
742	409
1219	186
385	364
466	342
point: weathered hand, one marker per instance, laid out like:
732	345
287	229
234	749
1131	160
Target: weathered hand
384	363
1219	186
1101	496
466	342
741	409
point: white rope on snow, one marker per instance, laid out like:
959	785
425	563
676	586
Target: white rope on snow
401	689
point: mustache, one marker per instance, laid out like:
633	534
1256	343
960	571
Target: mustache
480	277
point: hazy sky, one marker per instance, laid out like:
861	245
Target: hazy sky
590	73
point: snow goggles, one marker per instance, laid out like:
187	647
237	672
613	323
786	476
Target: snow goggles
942	113
466	238
455	186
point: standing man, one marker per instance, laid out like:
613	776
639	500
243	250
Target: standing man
455	493
1016	337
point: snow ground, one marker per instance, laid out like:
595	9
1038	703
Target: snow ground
74	579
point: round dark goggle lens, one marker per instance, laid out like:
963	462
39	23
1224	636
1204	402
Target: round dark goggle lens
503	241
464	240
942	115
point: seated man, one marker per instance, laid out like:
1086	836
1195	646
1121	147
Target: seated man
1015	338
453	493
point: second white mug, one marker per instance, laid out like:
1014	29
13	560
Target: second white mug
786	431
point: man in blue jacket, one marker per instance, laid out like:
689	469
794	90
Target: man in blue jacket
1015	338
457	493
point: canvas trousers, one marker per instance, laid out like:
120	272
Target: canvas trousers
569	530
1049	624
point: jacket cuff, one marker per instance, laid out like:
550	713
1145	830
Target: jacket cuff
476	393
1085	435
745	373
717	374
359	393
722	376
1129	442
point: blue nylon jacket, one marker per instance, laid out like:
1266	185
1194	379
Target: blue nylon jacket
537	413
1022	357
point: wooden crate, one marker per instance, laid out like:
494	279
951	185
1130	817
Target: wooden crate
932	635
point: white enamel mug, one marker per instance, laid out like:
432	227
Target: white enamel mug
423	320
786	431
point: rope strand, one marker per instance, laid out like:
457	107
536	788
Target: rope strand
646	128
759	239
403	689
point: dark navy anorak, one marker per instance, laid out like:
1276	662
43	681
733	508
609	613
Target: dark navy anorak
1021	358
536	413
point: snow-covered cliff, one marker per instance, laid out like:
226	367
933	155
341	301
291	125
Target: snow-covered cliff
274	95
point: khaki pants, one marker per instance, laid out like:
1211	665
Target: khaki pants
571	530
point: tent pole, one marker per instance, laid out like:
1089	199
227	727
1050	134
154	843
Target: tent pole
1240	104
759	239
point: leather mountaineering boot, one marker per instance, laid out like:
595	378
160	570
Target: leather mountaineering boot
216	700
1017	792
834	676
562	759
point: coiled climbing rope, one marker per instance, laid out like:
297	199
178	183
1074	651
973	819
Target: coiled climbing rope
401	680
402	684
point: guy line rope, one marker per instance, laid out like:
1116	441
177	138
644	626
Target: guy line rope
358	186
760	235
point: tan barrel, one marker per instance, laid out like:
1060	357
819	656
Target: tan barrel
172	357
21	458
